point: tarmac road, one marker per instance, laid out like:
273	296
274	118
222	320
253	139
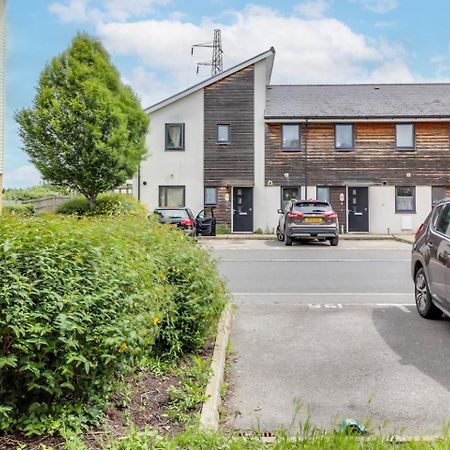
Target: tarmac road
335	330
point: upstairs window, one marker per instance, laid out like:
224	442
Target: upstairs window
344	136
290	137
174	136
223	133
405	199
404	136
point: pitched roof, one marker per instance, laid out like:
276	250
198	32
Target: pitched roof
269	55
370	101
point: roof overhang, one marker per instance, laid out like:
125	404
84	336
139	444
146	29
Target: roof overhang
285	119
267	55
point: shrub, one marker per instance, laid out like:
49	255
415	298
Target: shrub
35	192
107	204
19	210
222	228
83	301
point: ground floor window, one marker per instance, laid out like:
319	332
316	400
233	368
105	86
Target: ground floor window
438	193
323	193
210	196
288	193
171	196
405	199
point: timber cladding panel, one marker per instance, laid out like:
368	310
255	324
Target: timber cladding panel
230	101
222	212
374	159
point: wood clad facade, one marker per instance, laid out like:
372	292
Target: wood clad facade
374	159
230	101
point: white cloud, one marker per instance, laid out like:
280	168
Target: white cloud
379	6
322	50
105	10
23	176
314	9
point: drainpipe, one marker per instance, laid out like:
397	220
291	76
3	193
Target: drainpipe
306	159
139	183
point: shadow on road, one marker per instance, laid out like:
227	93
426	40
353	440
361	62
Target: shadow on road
423	344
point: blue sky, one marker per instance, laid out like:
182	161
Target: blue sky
317	41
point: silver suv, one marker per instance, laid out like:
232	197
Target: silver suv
430	263
308	219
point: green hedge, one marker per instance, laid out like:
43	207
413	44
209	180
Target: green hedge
107	204
34	192
19	210
85	301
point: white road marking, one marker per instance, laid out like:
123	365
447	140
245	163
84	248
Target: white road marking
309	294
403	308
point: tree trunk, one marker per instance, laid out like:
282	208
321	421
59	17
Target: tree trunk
92	201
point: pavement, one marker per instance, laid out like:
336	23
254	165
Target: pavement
326	333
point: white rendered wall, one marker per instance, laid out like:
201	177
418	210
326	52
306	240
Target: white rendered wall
382	215
172	167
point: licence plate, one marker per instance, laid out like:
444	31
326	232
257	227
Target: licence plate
312	219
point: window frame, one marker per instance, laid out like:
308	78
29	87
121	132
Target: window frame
165	196
229	133
166	137
299	191
406	148
329	193
442	209
204	196
344	149
406	211
291	149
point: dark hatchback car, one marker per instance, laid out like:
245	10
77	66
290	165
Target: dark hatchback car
430	263
308	219
204	224
181	217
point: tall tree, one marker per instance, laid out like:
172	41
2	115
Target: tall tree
86	129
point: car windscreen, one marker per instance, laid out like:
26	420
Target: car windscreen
172	213
309	207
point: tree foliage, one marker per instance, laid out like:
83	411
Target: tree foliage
86	129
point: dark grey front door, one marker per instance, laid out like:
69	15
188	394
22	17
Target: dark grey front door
242	209
358	209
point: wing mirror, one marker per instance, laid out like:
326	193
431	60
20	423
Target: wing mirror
280	211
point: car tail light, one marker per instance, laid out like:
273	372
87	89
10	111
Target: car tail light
419	230
188	222
294	215
330	215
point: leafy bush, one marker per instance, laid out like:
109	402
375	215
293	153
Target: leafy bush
107	204
34	192
222	228
84	301
19	210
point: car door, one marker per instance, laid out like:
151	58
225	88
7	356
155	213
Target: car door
439	251
206	223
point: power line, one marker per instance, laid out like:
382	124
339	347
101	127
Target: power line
217	54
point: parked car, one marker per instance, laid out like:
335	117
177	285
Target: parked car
206	222
181	217
430	263
308	219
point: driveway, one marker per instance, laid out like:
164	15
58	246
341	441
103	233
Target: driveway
335	331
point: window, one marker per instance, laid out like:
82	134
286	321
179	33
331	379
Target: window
443	223
344	136
404	136
171	196
223	133
174	136
405	199
323	193
210	196
290	137
288	193
438	193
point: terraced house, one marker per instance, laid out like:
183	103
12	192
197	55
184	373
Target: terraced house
379	152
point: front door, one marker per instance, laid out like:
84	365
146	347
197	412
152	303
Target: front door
243	209
358	209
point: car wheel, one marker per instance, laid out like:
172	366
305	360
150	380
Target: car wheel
334	241
425	305
287	240
280	235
